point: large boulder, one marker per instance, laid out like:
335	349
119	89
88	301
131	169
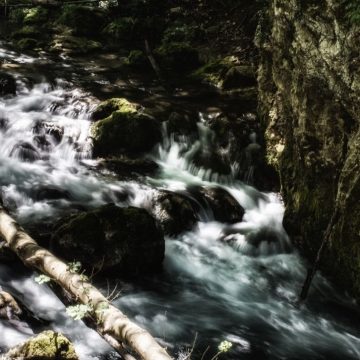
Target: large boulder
126	130
48	345
111	239
175	212
7	84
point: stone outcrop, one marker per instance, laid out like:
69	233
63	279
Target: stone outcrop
47	345
309	90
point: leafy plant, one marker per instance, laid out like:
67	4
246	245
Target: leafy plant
74	267
42	279
352	11
78	312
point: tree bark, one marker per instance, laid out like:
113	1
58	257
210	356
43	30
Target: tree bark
110	319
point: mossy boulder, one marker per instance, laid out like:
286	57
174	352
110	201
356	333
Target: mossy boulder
7	84
106	108
48	345
111	239
83	20
178	56
126	130
226	74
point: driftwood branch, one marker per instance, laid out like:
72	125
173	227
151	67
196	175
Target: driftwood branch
110	320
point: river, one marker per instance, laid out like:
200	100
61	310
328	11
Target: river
217	283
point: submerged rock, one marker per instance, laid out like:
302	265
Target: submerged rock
126	130
111	239
7	84
8	306
224	206
25	151
48	345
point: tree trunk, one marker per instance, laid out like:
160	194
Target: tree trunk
110	320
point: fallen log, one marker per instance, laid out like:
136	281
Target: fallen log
110	320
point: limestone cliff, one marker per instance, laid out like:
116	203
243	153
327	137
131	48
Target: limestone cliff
309	92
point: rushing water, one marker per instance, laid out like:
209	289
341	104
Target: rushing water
219	282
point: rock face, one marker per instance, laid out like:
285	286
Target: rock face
47	345
309	89
111	239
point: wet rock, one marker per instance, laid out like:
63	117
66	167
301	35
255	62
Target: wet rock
7	84
55	132
4	123
41	142
9	308
50	193
175	212
124	166
111	239
47	345
224	206
25	151
213	161
126	130
182	123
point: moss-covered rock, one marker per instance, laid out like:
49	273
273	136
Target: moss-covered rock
48	345
111	239
239	77
138	60
106	108
126	130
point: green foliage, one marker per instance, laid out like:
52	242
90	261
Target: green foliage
36	15
42	279
74	267
352	11
83	20
78	312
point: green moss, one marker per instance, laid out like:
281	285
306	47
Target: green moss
47	345
214	71
125	132
137	59
36	15
106	108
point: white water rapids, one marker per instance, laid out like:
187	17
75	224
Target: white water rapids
242	293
